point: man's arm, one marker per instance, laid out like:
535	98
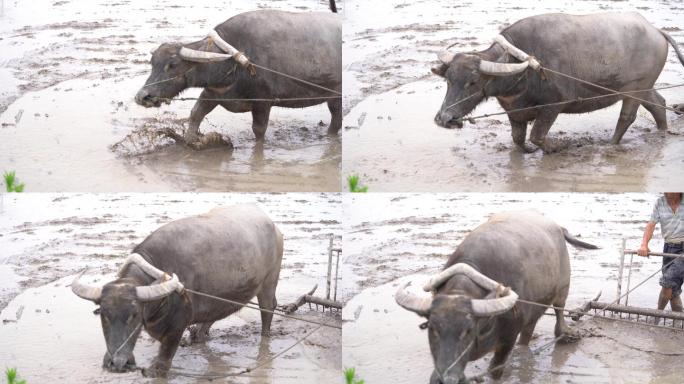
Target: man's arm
648	234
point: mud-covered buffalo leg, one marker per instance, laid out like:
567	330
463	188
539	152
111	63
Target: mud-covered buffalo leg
657	112
518	132
199	111
162	362
562	329
541	127
260	114
627	117
501	352
267	295
267	300
335	107
528	328
199	333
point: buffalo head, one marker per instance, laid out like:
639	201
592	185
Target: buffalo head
467	75
121	312
168	78
455	321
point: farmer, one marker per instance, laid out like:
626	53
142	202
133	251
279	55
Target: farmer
668	214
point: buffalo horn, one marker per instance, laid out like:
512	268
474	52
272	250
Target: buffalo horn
84	291
229	49
516	52
159	290
202	56
412	302
502	69
480	307
493	307
446	57
464	269
138	260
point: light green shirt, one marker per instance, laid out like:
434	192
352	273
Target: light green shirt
671	223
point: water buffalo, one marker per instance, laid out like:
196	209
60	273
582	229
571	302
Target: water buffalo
620	51
307	46
473	309
233	252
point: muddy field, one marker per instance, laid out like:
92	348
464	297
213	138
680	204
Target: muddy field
391	98
68	75
50	335
392	238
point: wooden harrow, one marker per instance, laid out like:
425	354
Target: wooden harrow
654	317
330	300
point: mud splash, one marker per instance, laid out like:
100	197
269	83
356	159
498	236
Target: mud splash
392	238
47	238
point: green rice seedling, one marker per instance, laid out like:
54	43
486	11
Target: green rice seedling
11	182
353	182
11	374
350	376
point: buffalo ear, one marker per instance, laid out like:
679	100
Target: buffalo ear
440	70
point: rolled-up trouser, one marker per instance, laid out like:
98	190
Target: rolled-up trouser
673	274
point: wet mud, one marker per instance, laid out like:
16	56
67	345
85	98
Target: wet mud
392	238
48	238
391	98
68	115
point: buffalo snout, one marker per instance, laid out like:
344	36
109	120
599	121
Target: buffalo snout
435	379
144	98
447	120
120	363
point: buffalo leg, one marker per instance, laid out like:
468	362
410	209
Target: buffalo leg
527	332
519	133
267	300
260	114
541	127
162	362
267	296
562	328
501	352
199	333
657	112
627	117
335	107
199	111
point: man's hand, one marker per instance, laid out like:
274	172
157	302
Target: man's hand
643	251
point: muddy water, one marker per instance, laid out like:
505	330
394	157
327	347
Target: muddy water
48	237
392	238
391	99
69	74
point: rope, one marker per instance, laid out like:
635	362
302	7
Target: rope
579	324
212	376
275	100
607	89
297	79
261	309
579	99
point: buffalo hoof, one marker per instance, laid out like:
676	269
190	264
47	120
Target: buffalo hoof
679	109
529	148
210	140
570	336
155	370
